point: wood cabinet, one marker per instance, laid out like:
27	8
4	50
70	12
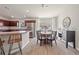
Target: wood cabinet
8	23
4	22
31	27
70	38
13	23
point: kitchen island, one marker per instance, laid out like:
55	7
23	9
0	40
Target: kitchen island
5	36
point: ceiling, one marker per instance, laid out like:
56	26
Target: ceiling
31	10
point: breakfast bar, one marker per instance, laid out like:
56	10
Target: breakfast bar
5	36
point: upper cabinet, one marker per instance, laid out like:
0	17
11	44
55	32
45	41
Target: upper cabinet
13	23
4	22
8	23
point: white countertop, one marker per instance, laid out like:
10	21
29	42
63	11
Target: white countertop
11	28
46	32
12	32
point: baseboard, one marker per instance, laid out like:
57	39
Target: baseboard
18	48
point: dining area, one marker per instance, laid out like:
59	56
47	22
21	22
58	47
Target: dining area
46	37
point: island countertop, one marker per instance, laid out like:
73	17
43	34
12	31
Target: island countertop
12	32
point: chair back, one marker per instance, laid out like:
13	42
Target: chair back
14	38
54	34
49	36
38	34
43	36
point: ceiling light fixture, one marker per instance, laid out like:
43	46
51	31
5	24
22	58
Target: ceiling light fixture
43	6
12	16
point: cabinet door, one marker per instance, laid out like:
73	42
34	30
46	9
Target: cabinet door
6	23
71	36
13	23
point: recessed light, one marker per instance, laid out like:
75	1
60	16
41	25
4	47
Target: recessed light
12	16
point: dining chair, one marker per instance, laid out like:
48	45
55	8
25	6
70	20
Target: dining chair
38	35
1	47
53	37
43	39
15	38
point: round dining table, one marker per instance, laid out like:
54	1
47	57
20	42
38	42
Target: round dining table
46	34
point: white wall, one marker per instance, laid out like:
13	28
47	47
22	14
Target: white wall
73	12
55	23
37	24
45	21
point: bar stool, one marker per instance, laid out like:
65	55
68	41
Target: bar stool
1	47
14	38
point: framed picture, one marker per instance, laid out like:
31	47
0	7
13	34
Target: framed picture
66	22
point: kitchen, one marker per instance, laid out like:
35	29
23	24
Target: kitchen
8	28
